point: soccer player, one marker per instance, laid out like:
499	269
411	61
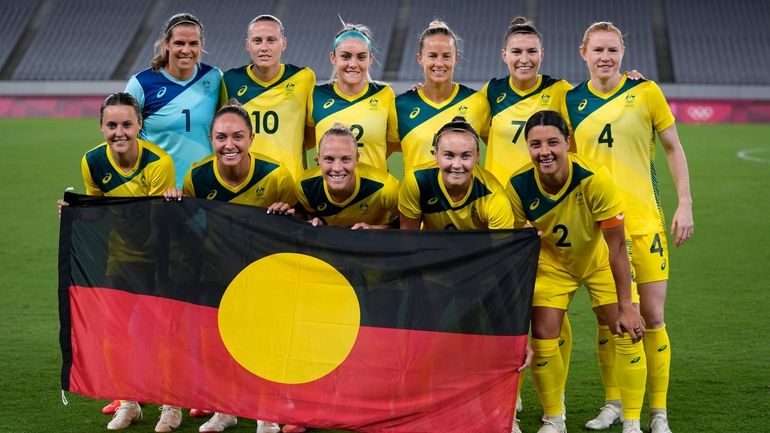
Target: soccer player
614	122
352	98
577	207
422	111
125	166
453	192
178	94
275	94
236	175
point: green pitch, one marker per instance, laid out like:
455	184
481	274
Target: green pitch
717	309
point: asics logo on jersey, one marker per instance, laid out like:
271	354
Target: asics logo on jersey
242	90
662	348
542	364
603	341
161	92
582	105
500	98
321	207
414	113
107	178
561	343
663	265
534	204
329	103
636	359
433	200
211	195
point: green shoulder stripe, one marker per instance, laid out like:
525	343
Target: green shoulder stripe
313	189
581	102
534	202
500	95
103	173
326	102
207	186
432	198
412	111
241	87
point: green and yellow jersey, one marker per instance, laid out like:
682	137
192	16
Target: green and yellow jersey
366	114
374	201
419	118
423	196
268	181
572	237
277	110
510	109
152	174
617	129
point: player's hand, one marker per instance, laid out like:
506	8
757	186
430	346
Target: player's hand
280	208
60	204
682	225
631	321
527	358
634	75
173	194
316	222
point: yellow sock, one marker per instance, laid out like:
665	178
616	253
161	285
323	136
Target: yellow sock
548	374
565	347
657	347
630	374
605	351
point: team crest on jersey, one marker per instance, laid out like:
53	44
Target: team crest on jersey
328	103
374	103
579	198
243	90
143	180
545	99
462	110
260	192
534	204
206	85
107	178
582	105
161	92
630	100
501	98
321	207
211	195
289	89
364	207
414	113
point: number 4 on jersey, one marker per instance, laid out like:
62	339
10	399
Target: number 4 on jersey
605	137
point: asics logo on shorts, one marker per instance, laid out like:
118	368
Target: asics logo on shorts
635	360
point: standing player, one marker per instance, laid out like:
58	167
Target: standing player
422	111
178	95
453	192
352	98
125	166
235	175
579	210
614	122
273	93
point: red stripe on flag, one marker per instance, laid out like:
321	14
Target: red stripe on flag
394	380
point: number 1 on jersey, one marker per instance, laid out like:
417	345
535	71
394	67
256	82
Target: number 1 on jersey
186	113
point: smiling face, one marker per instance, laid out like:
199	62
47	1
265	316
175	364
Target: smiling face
338	158
438	58
120	127
231	138
548	149
603	53
184	49
351	60
265	44
523	54
456	153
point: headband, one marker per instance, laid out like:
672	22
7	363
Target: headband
352	33
181	22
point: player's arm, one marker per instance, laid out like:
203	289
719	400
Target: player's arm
409	210
682	225
629	318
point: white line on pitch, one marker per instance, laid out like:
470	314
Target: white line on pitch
747	155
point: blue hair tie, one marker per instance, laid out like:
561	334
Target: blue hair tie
352	33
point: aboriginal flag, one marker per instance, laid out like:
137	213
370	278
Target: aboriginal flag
223	307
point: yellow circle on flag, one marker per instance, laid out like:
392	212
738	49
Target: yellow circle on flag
289	318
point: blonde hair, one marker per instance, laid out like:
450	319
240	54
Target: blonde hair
359	29
338	130
602	26
160	58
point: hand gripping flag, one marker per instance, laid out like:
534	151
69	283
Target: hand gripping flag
223	307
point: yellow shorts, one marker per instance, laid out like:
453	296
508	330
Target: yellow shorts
649	257
555	287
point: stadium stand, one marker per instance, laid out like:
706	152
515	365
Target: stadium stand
14	17
481	27
81	40
563	22
715	43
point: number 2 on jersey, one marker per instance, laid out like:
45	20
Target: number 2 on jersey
562	242
358	131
